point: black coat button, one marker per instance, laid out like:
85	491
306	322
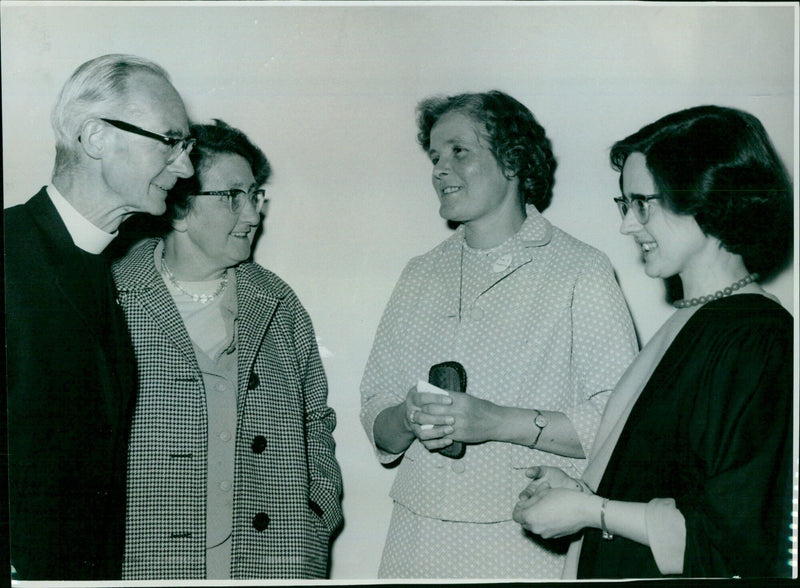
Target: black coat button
252	384
261	521
259	444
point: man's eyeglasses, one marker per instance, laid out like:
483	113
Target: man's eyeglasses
236	198
639	204
178	145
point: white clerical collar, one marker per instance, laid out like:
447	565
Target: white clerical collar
84	233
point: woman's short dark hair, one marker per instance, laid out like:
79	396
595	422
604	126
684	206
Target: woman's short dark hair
212	140
516	139
719	165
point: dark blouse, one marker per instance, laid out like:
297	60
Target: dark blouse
713	430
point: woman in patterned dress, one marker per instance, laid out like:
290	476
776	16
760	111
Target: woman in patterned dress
231	470
691	472
533	315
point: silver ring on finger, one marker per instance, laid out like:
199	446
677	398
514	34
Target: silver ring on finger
413	416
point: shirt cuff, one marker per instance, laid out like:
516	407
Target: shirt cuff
666	533
369	413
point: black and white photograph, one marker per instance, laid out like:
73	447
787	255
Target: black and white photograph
378	292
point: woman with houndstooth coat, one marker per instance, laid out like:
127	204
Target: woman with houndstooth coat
232	472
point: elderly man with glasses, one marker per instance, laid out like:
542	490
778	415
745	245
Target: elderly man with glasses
121	143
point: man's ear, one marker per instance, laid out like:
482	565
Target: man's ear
179	225
93	137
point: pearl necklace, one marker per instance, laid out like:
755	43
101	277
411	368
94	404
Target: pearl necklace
718	294
201	298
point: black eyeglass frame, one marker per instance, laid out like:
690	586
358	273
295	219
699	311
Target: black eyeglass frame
178	145
234	195
640	204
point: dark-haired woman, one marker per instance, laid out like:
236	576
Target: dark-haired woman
691	473
536	319
231	470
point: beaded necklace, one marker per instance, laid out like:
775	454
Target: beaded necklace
686	303
201	298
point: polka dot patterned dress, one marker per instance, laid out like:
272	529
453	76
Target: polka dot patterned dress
538	322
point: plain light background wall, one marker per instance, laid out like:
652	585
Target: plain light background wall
329	90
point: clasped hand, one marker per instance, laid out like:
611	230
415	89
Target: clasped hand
553	504
439	419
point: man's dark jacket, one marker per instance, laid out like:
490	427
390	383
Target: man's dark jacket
71	383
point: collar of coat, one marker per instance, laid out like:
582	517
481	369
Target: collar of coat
136	272
528	251
259	293
536	231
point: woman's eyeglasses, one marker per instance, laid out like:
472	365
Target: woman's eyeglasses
639	204
237	198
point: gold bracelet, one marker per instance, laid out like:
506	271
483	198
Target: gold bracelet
606	535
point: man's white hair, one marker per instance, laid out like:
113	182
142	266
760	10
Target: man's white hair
95	89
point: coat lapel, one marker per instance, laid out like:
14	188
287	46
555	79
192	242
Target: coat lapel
535	232
256	308
70	275
139	282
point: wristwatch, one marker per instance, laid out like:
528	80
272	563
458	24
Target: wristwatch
541	422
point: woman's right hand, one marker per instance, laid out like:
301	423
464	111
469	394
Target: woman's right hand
430	429
556	512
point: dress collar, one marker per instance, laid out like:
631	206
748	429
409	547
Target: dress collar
535	231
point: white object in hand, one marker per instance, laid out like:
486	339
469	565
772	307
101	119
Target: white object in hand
431	389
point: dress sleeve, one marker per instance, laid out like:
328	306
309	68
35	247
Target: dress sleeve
604	345
740	437
381	384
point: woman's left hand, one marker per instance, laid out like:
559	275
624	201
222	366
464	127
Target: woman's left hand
553	477
556	512
476	420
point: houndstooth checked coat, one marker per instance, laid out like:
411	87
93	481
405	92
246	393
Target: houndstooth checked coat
287	483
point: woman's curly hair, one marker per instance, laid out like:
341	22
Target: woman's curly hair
718	165
517	141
